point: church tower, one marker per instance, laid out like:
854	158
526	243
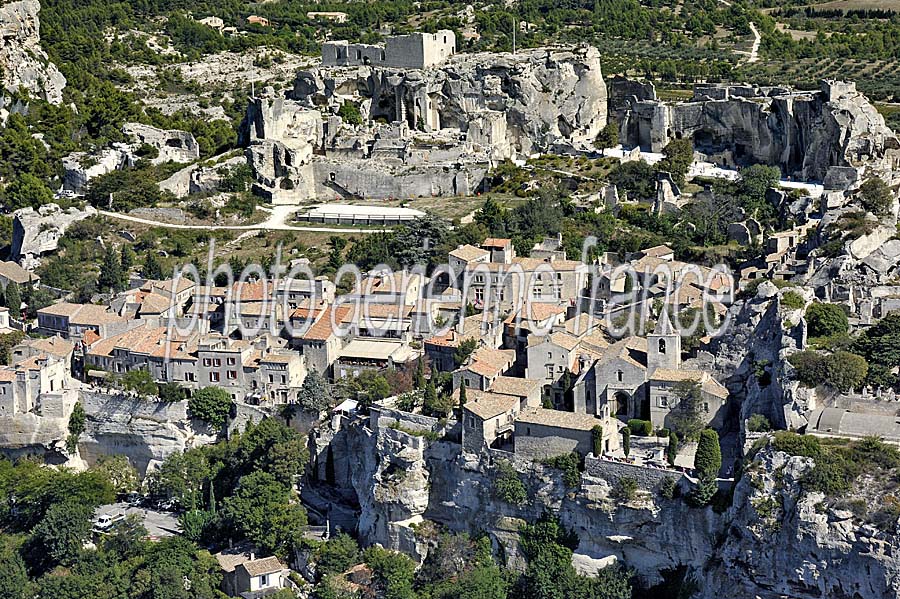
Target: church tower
663	345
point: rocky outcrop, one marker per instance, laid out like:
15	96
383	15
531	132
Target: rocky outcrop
81	168
23	63
171	145
772	541
198	178
145	431
781	544
805	134
37	232
425	132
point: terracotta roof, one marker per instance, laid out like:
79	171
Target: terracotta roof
90	337
267	565
657	251
496	242
150	341
168	284
88	314
489	362
322	330
670	375
511	385
489	405
558	419
468	253
7	374
11	271
56	345
250	292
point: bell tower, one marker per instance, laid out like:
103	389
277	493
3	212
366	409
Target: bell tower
663	345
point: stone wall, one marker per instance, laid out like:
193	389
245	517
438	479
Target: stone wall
538	442
612	472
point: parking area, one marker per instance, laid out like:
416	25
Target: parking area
158	524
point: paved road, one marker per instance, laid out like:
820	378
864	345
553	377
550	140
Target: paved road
276	222
158	524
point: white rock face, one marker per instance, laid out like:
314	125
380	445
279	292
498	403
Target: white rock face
145	431
23	63
173	145
81	168
36	232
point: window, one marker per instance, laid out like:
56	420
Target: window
662	346
620	376
271	378
549	355
207	362
231	361
706	407
479	294
663	402
283	379
213	377
189	376
232	374
560	368
550	370
217	362
264	580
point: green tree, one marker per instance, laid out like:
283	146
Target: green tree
672	448
465	349
111	278
845	371
14	300
492	216
315	394
119	472
152	268
419	375
261	511
171	392
127	260
679	155
826	320
26	190
139	381
63	530
686	419
212	405
393	573
876	196
708	459
508	486
337	555
462	394
597	440
626	440
608	136
350	113
14	583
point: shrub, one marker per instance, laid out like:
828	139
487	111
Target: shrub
826	320
810	367
794	444
626	488
876	196
792	300
508	486
569	463
845	371
757	423
642	428
211	405
667	487
597	440
350	113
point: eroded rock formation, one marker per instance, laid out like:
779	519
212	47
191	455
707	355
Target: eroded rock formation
23	63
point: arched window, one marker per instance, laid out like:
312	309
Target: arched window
662	346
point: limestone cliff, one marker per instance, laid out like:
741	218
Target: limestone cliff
23	63
771	542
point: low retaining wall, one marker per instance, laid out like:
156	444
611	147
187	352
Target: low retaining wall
647	478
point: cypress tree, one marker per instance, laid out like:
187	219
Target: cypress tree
462	394
672	449
14	300
597	438
626	440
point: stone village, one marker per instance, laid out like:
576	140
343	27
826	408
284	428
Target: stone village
528	341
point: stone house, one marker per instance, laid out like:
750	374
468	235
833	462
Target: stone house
620	377
38	384
73	320
412	51
485	365
249	577
664	400
11	272
541	434
488	419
